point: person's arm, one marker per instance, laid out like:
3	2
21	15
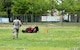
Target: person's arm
20	23
13	22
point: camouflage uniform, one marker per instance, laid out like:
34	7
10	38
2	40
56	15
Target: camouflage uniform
16	26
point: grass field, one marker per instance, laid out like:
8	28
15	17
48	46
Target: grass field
57	38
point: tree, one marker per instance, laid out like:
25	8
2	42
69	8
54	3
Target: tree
72	8
30	6
7	7
68	6
59	5
2	12
1	5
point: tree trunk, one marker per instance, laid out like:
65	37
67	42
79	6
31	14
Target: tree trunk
61	19
77	18
52	12
68	17
31	17
8	13
9	17
72	18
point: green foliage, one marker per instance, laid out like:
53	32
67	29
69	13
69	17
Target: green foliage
70	6
3	13
30	6
19	6
40	6
7	4
4	6
1	5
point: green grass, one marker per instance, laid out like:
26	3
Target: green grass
58	38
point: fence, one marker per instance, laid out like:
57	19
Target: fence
24	18
34	17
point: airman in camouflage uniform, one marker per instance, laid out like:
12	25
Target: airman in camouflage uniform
16	26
